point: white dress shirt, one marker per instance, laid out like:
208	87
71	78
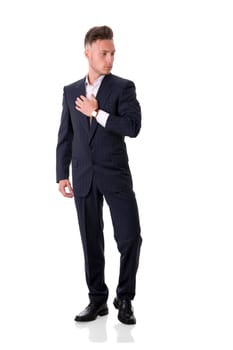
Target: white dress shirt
92	90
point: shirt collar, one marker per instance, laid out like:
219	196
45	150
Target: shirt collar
98	81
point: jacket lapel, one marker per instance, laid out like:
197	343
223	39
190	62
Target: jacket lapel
81	90
102	96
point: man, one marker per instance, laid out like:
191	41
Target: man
98	112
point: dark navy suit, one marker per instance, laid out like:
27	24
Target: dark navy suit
100	170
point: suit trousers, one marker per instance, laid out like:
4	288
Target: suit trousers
126	227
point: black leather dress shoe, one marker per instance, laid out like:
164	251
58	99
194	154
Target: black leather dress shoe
125	314
91	312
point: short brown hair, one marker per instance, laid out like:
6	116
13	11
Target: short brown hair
98	33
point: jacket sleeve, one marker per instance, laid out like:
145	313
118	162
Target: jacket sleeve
128	120
64	144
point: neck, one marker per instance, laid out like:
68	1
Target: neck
92	76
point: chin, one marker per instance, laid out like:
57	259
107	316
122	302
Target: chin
107	70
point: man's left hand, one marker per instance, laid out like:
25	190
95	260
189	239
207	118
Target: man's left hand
85	105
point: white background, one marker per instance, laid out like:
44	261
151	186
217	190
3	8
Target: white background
179	54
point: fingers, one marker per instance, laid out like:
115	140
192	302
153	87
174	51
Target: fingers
82	98
70	189
66	189
85	105
78	102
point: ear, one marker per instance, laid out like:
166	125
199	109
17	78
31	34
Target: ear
86	52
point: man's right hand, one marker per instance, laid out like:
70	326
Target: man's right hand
65	188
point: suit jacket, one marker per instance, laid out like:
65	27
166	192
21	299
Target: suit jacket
95	150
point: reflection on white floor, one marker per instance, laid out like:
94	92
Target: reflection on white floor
97	331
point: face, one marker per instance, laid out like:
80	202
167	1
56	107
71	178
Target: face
100	55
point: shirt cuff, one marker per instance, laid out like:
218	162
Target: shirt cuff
102	117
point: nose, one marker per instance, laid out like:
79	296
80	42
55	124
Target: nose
110	59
